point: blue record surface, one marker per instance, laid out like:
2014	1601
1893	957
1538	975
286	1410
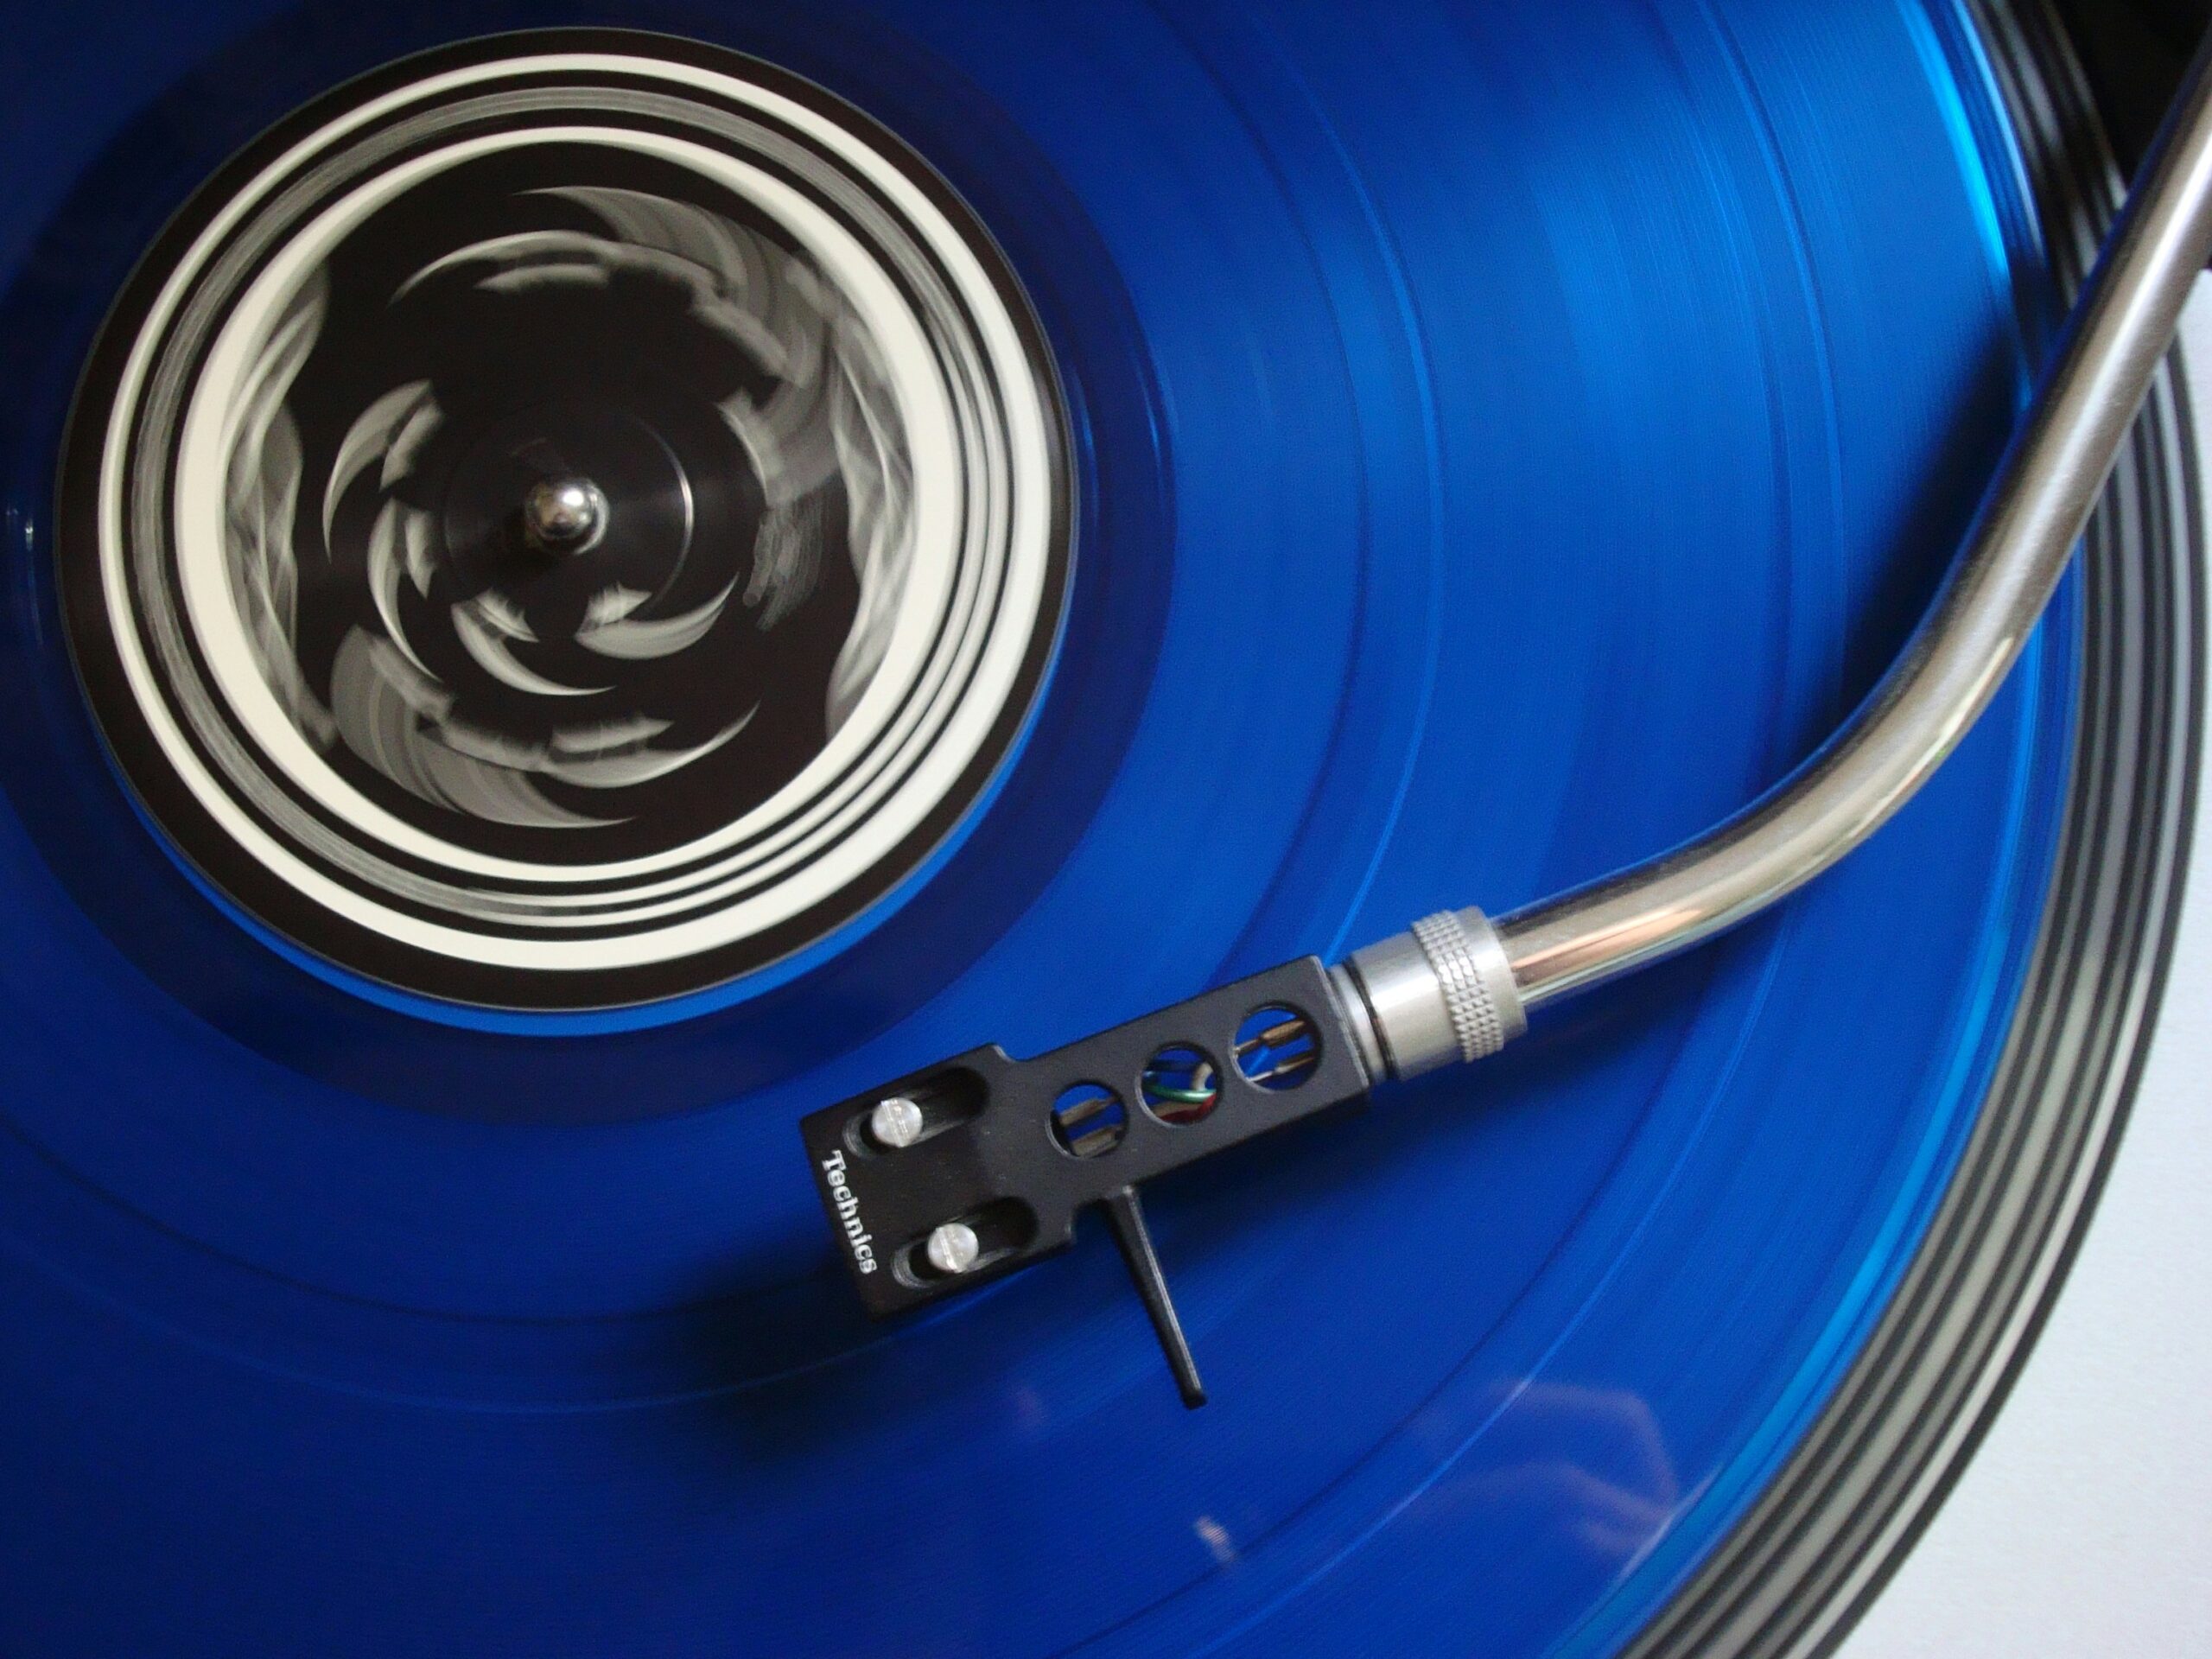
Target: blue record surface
1506	436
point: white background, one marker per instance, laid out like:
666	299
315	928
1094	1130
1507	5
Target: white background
2083	1526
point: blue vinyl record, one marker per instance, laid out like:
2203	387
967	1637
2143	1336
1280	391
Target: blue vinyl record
1443	452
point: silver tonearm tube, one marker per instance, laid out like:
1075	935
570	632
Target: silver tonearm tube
1458	986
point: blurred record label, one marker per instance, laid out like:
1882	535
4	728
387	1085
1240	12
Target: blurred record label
566	521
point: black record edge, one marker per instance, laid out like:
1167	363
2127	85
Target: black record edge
1819	1542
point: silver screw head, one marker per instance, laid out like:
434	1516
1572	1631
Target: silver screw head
565	514
895	1122
954	1246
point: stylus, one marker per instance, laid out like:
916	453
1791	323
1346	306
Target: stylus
978	1165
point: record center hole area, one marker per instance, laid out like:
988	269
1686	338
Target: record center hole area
1276	1047
1180	1085
1089	1120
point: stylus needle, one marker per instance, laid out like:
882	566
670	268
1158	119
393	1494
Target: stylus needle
1125	1215
1455	987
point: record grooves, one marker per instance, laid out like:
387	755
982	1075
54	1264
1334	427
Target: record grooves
1839	1516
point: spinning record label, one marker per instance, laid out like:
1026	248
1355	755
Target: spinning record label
568	522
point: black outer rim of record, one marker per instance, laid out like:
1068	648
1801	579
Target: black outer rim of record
1804	1563
349	946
